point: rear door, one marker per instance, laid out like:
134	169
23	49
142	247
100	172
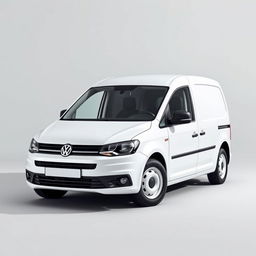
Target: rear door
183	138
210	109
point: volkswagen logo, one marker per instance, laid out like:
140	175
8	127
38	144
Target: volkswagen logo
66	150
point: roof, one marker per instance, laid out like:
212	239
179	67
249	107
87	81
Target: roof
160	80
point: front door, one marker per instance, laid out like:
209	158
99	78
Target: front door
183	138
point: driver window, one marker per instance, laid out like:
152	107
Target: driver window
180	100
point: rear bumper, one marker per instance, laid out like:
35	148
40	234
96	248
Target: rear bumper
104	178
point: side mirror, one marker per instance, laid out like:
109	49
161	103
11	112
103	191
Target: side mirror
180	117
62	112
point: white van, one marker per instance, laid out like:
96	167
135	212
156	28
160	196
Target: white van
134	135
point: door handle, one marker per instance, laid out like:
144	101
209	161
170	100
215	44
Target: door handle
202	133
194	135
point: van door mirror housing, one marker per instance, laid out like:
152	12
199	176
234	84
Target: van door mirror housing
180	117
62	112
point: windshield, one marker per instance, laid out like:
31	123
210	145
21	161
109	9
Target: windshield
118	103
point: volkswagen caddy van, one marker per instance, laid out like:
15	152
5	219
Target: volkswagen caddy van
134	135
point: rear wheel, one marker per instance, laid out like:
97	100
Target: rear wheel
50	194
153	184
220	174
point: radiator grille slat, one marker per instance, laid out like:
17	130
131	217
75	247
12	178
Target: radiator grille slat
46	148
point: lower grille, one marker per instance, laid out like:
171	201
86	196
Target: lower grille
84	182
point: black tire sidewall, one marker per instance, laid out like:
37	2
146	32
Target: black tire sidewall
222	152
50	194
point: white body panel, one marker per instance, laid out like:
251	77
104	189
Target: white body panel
83	132
184	156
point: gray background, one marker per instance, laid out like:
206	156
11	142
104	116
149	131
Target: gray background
51	51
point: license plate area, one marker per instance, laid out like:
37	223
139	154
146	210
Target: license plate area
61	172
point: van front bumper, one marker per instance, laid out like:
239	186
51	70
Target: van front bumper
105	175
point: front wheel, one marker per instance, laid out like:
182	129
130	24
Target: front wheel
50	194
220	174
153	184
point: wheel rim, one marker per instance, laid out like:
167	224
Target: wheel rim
222	166
152	183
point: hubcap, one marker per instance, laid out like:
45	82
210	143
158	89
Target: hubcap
152	183
222	166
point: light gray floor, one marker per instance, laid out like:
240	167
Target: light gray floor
194	219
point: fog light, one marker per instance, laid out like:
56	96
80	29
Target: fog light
123	181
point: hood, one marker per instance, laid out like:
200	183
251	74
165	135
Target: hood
91	132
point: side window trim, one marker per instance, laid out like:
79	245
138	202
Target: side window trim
191	103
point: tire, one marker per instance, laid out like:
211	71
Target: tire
50	194
153	184
220	174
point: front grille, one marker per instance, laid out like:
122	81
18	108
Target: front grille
84	182
46	148
65	165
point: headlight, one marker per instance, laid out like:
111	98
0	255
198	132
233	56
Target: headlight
33	146
120	148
